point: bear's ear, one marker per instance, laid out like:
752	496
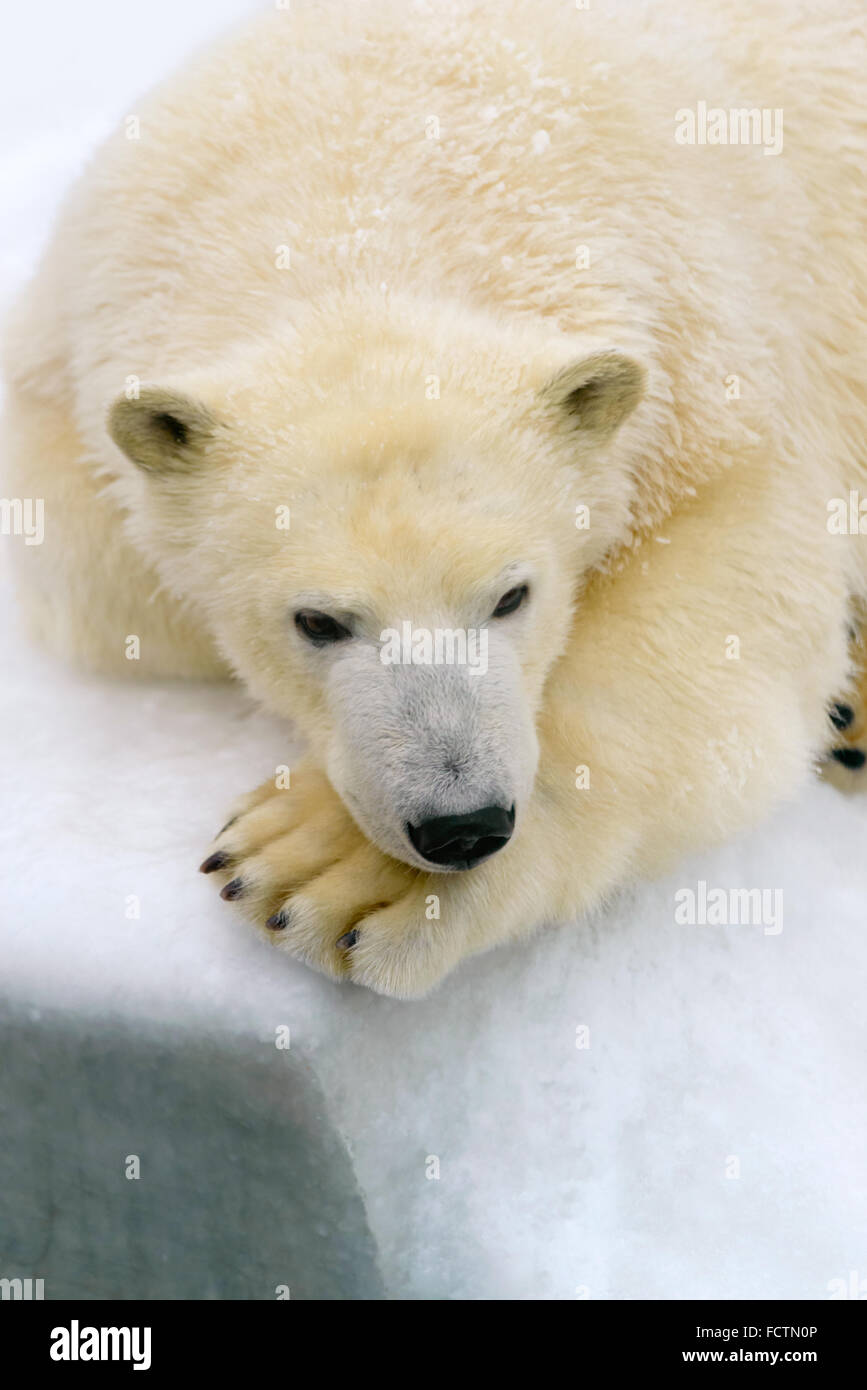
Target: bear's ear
598	393
161	430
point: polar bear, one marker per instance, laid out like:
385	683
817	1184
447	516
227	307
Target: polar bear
537	326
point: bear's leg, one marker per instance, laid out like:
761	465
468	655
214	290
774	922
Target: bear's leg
294	862
848	745
83	588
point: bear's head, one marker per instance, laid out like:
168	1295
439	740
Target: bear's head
385	523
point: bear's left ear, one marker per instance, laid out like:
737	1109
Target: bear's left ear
161	430
598	393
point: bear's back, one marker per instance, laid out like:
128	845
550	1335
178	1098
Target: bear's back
518	157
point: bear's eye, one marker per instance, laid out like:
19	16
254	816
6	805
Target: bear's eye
510	601
319	627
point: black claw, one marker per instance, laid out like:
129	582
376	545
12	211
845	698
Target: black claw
348	940
233	890
214	861
279	922
850	757
841	716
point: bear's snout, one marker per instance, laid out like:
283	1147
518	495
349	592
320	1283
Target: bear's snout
462	841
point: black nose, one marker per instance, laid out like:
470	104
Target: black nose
459	842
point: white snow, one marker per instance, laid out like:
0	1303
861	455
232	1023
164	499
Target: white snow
711	1138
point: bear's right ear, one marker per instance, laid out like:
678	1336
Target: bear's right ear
161	430
597	393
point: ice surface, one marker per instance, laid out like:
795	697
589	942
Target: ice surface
564	1171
